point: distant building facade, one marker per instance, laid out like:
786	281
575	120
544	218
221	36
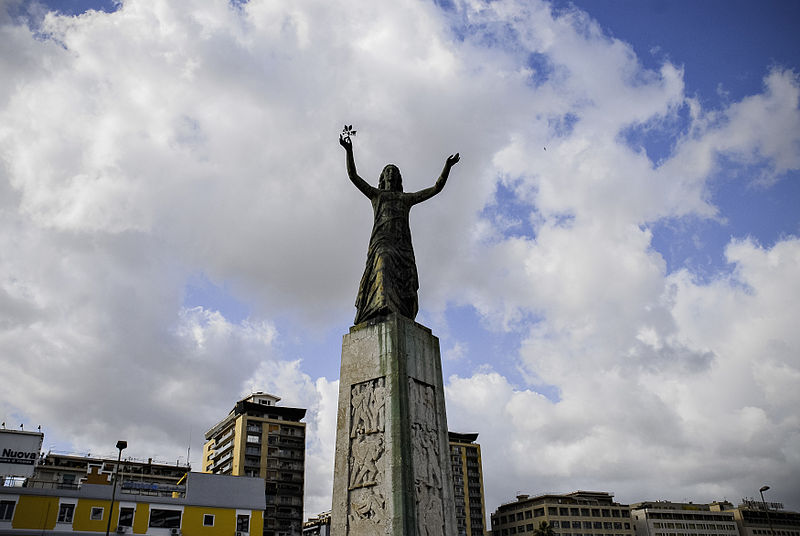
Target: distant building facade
261	439
200	505
754	518
465	458
665	518
318	526
68	470
581	513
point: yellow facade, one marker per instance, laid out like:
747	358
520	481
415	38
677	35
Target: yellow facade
38	513
238	451
141	517
224	521
41	513
82	520
209	505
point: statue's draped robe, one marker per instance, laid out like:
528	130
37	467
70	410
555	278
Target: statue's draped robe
390	282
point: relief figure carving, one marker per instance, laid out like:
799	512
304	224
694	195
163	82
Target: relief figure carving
367	402
366	501
367	514
367	453
426	459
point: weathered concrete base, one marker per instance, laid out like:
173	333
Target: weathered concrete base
392	469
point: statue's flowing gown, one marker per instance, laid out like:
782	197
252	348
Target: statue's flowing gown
390	282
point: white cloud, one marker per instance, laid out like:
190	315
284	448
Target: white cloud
174	138
715	396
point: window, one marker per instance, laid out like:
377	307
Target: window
552	511
242	523
7	510
65	513
519	516
167	519
96	514
208	520
125	517
528	514
576	524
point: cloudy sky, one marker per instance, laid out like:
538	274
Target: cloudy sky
612	269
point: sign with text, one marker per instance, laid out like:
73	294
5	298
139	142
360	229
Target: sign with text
18	452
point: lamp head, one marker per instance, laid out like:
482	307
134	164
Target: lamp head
122	445
763	489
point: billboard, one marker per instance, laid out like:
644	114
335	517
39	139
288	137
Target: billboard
18	452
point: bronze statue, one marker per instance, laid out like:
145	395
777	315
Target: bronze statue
390	282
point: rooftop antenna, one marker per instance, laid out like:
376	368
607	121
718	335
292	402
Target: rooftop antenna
189	449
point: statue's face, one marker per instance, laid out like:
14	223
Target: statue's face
392	180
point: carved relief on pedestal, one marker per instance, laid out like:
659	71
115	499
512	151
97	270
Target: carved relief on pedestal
426	458
366	500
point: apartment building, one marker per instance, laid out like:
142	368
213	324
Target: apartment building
259	438
465	458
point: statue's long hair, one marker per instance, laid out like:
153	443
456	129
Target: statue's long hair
398	186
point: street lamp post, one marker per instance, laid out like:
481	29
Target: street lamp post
120	445
766	509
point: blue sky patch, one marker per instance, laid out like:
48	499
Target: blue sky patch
200	291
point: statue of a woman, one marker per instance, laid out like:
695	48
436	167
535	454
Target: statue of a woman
390	282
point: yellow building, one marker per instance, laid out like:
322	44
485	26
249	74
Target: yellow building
201	505
465	460
261	439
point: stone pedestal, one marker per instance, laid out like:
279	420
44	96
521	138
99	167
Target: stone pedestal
392	471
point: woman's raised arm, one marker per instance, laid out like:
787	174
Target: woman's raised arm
427	193
360	183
